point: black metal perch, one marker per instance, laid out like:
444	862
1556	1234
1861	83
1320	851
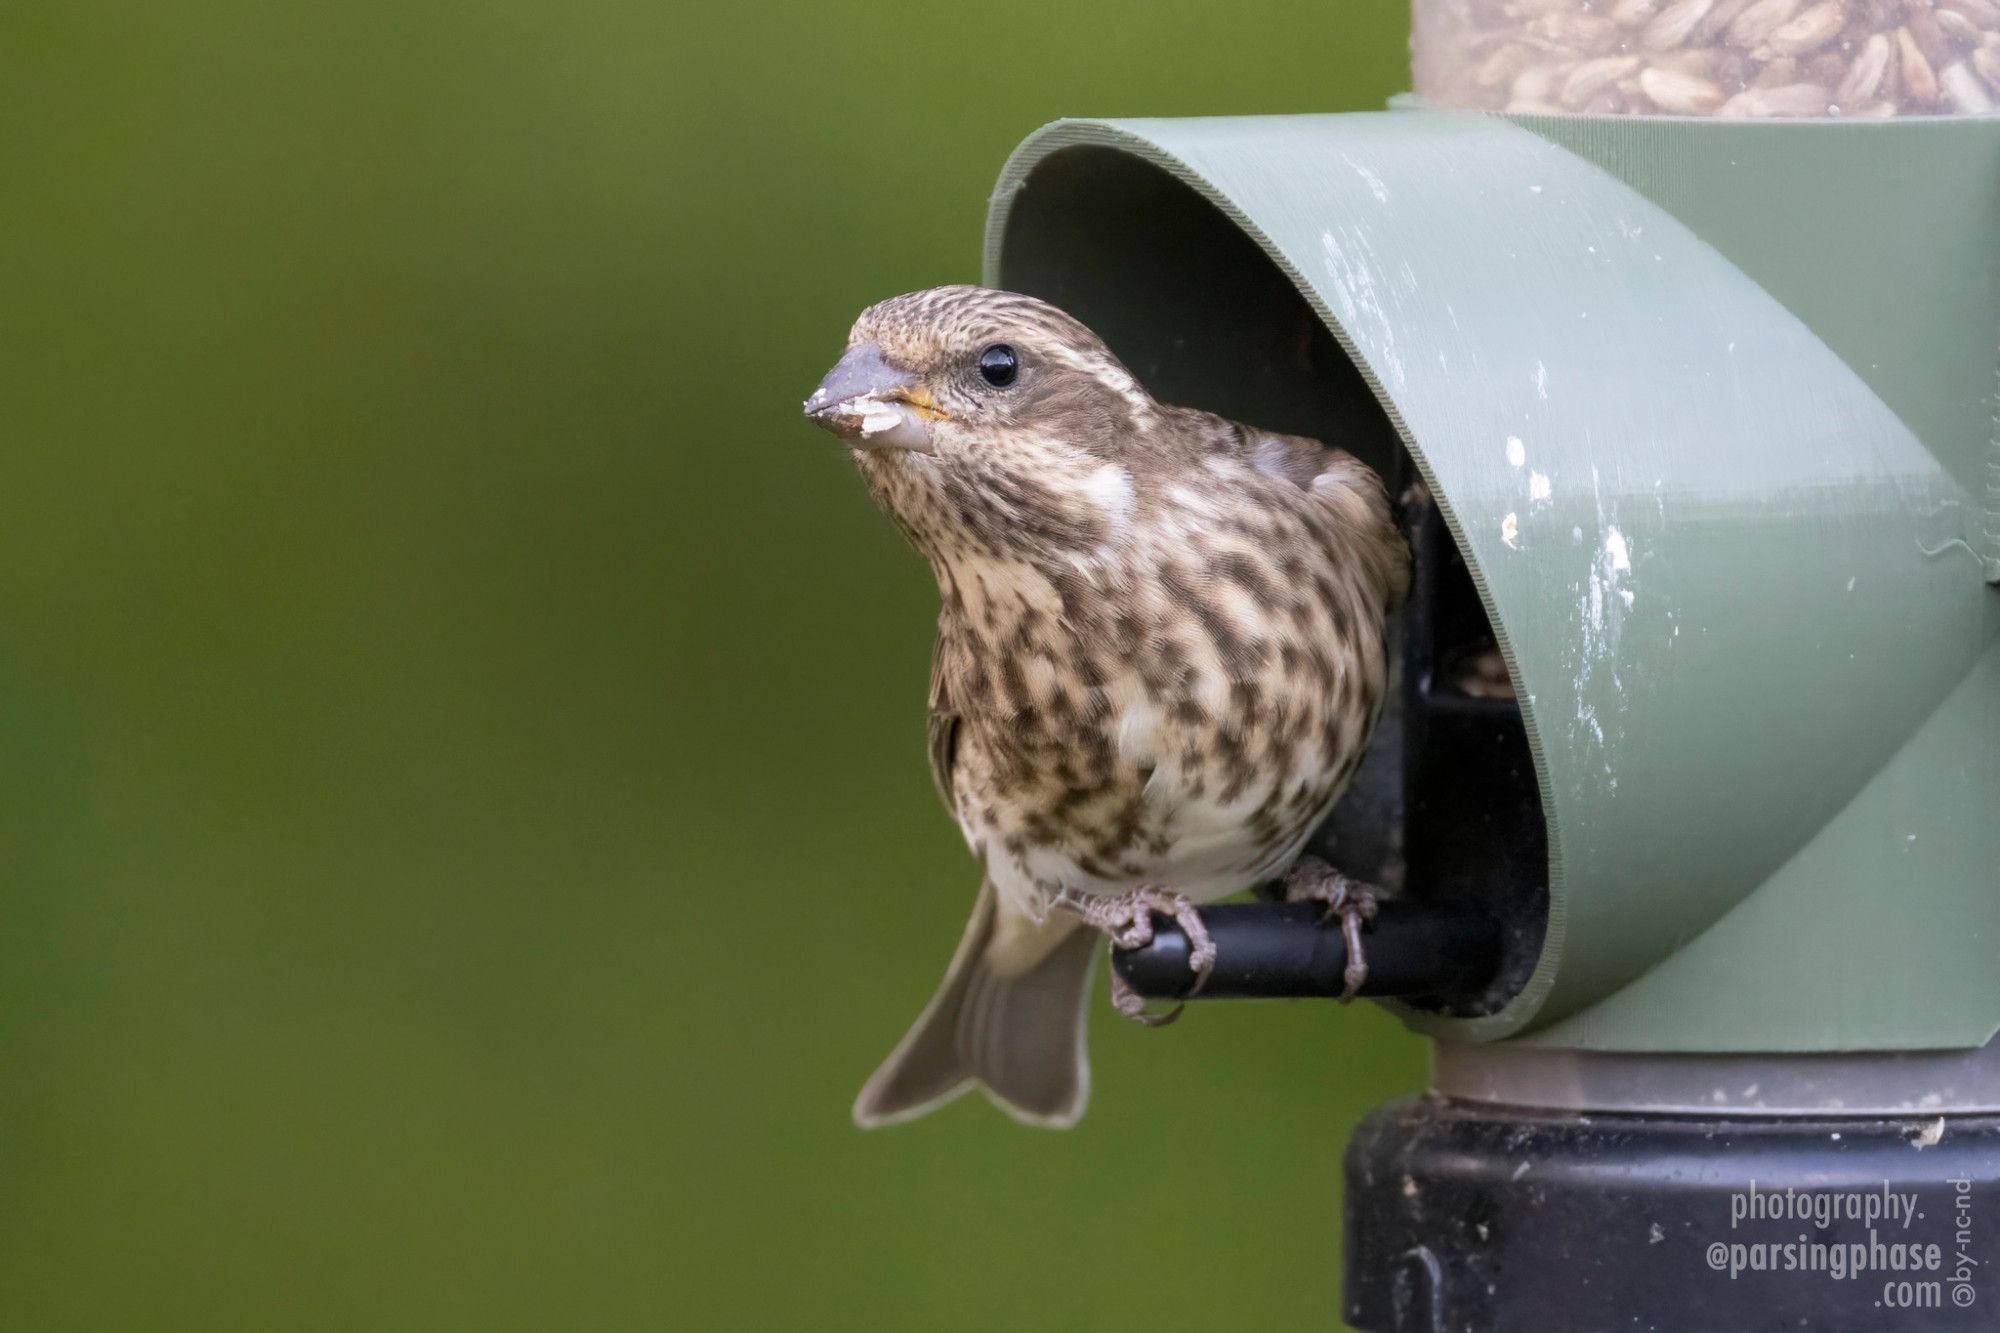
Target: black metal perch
1279	950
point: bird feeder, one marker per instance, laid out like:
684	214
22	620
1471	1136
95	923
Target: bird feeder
1693	421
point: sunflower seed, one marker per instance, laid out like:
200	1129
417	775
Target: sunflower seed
1537	83
1679	94
1965	90
1919	79
1500	68
1980	13
1987	61
1674	24
1702	61
1759	21
1777	73
1718	20
1923	25
1794	99
1864	75
1809	31
1592	77
1585	34
1959	29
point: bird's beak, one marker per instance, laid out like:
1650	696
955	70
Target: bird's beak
871	404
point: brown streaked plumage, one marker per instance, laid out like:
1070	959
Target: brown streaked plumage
1159	654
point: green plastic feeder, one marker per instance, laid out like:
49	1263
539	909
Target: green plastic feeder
1709	408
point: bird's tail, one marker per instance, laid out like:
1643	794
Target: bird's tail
1009	1016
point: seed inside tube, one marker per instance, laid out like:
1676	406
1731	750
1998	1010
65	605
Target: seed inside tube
1793	99
1592	77
1966	91
1855	59
1984	14
1919	80
1864	76
1675	23
1680	94
1759	21
1810	30
1987	61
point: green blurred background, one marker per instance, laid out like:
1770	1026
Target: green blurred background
464	824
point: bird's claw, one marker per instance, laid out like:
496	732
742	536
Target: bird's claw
1128	922
1132	1004
1313	880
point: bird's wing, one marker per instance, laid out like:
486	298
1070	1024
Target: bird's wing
1348	488
1292	458
942	720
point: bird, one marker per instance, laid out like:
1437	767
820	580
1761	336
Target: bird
1159	656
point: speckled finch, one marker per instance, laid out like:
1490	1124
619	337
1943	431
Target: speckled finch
1159	656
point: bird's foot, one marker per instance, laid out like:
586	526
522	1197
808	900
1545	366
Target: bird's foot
1313	880
1127	920
1133	1005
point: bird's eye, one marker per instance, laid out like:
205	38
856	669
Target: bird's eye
998	365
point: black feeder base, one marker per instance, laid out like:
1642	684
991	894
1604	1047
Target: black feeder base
1502	1220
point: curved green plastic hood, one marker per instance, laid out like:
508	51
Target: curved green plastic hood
1742	600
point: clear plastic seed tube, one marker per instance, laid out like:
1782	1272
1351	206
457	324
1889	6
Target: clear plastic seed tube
1858	59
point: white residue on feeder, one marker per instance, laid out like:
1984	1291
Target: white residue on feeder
1517	452
1510	531
1376	186
1604	602
1616	559
1352	265
1601	623
1541	379
1615	548
1538	487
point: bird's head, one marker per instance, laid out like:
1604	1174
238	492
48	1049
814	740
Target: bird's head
956	369
969	403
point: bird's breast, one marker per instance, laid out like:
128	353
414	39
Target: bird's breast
1159	722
